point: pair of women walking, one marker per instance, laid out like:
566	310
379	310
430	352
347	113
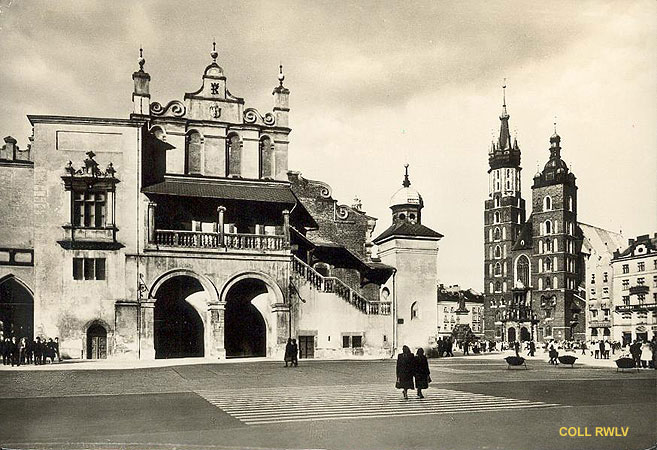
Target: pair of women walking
411	366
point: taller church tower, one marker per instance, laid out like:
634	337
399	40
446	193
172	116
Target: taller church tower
504	216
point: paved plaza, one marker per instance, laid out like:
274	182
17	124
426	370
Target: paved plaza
473	402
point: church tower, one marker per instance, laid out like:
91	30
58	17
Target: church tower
557	242
504	216
412	249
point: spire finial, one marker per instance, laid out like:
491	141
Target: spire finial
141	60
406	182
555	124
281	77
504	96
214	53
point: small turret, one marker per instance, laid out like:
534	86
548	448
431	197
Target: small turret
406	204
281	100
141	97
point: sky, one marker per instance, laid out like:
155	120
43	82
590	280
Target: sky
375	85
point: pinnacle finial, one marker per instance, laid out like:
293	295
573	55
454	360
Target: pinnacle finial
214	53
504	96
141	60
281	76
407	181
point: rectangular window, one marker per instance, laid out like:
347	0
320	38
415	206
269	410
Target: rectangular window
592	278
357	341
641	266
594	313
641	281
345	341
655	261
626	268
89	209
89	268
605	277
605	290
626	285
641	298
626	300
654	280
77	268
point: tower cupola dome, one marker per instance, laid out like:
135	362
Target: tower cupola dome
406	204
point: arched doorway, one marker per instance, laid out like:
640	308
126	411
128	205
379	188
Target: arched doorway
16	309
524	334
96	341
245	328
512	334
178	328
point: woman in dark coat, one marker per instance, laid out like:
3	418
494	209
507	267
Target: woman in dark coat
288	352
405	370
421	372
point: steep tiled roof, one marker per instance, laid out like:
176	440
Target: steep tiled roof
600	240
409	230
524	240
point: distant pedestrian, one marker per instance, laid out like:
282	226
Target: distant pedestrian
449	345
38	351
516	347
288	352
295	353
532	348
421	372
635	351
653	348
405	370
466	348
554	354
56	348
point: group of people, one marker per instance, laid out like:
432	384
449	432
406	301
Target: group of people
291	353
644	353
17	351
412	371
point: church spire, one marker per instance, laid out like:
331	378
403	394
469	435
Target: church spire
504	141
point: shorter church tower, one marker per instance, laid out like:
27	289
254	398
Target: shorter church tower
556	246
412	249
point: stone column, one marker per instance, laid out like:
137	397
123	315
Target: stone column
147	329
220	224
217	330
286	227
151	222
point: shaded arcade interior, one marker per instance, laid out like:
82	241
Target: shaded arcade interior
178	328
246	331
16	309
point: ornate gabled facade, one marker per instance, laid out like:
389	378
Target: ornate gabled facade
180	232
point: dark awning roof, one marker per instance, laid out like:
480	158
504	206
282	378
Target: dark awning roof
407	230
224	189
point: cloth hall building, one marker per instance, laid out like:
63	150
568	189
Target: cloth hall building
180	232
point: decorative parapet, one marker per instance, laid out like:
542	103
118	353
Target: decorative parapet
252	116
175	108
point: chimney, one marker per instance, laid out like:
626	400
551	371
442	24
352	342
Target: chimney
630	241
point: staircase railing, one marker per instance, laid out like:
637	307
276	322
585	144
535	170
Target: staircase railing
338	287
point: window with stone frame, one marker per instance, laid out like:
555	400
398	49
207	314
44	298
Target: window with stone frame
641	266
626	268
193	152
626	300
233	155
89	207
91	196
626	284
266	158
89	269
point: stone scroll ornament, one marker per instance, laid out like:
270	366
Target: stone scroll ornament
174	108
341	212
251	115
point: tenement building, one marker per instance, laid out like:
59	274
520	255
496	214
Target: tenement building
635	290
533	267
179	231
598	249
459	307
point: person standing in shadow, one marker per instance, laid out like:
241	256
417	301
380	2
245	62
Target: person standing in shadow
288	352
295	353
405	370
422	372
